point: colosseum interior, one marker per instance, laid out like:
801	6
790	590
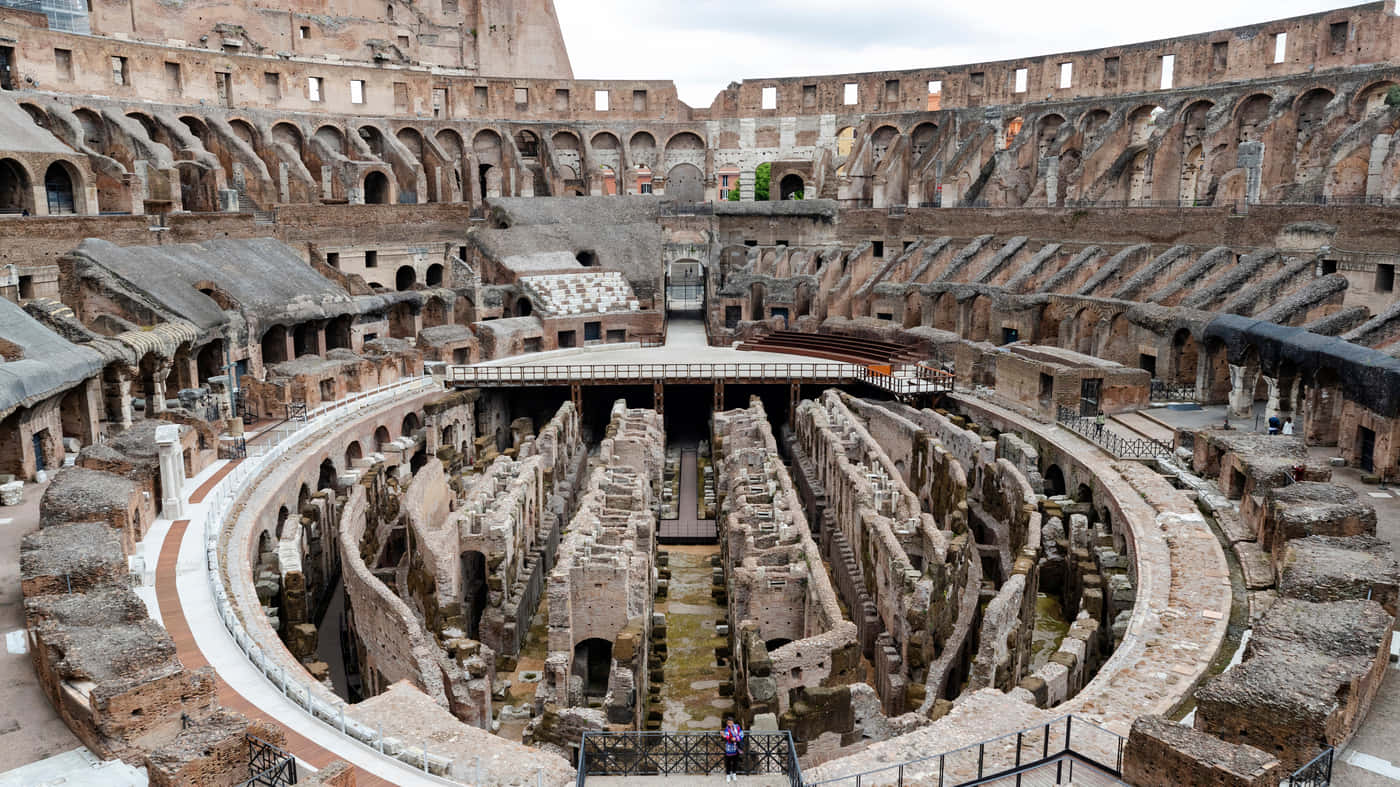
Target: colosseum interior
482	425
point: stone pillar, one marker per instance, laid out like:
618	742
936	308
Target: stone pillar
746	179
172	471
1242	382
1251	160
155	398
118	396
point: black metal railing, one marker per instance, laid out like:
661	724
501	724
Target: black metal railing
692	753
269	765
296	411
1068	738
1317	773
1167	391
1109	440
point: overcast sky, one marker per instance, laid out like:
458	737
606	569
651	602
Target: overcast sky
703	45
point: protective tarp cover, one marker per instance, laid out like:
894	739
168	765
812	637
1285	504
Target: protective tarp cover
51	364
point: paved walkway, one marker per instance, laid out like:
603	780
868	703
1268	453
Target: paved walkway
687	526
184	605
30	728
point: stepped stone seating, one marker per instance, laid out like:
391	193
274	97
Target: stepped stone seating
581	293
847	349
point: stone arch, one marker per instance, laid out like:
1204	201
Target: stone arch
331	137
565	140
1140	123
684	141
433	277
16	188
1094	121
1185	356
685	183
945	312
527	143
1370	100
592	663
1311	105
1054	481
604	140
409	425
381	438
353	453
880	141
1214	384
274	345
1250	114
405	278
642	148
326	474
338	331
523	306
376	188
791	187
1047	128
921	139
913	309
980	318
434	312
246	131
1085	321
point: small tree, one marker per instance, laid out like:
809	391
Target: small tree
1392	96
762	177
734	194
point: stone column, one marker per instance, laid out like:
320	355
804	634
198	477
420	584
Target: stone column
1242	382
118	396
172	471
155	398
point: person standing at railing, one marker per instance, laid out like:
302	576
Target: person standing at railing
1098	426
733	746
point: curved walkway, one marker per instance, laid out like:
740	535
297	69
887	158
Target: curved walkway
186	607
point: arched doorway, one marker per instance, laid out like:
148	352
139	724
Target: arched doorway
325	478
791	187
58	187
593	662
405	277
376	189
16	194
685	183
474	596
1054	481
433	278
353	454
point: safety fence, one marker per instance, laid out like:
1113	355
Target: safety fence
684	753
1167	391
1317	773
222	500
1107	439
1067	739
898	379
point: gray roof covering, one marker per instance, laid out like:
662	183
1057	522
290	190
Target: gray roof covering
21	133
51	364
268	280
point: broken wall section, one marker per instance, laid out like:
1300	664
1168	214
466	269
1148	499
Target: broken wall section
795	655
602	589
